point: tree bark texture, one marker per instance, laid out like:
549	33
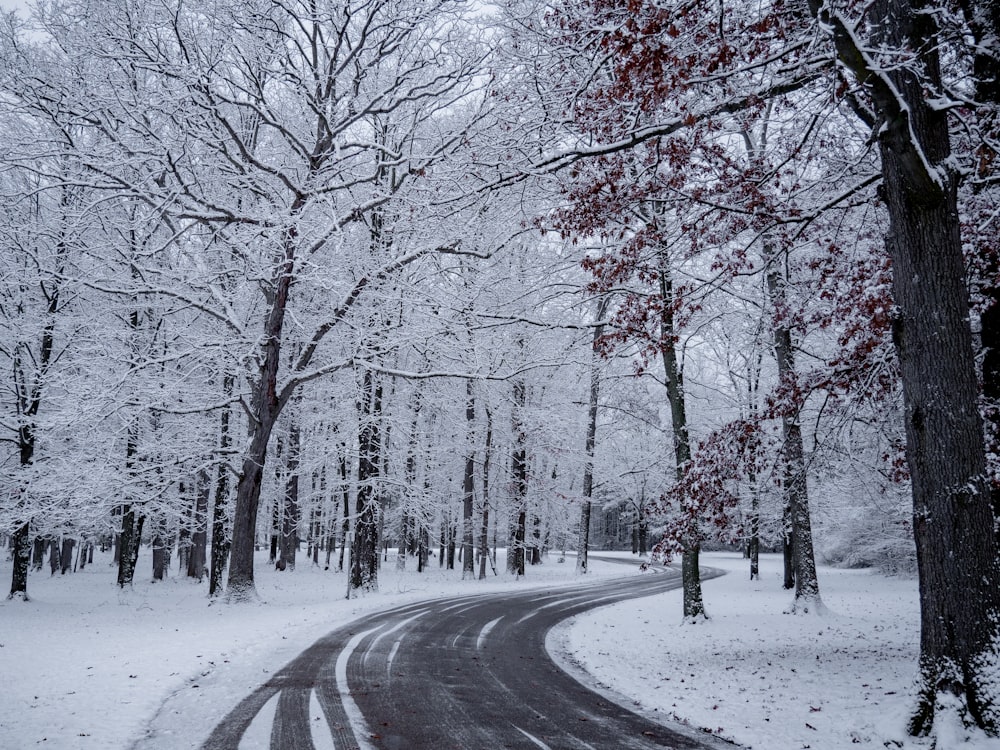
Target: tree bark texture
220	521
29	401
364	548
291	512
590	442
694	603
953	515
794	486
484	545
469	482
952	509
20	549
199	531
519	482
161	552
131	534
266	404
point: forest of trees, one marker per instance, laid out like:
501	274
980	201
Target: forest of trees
329	277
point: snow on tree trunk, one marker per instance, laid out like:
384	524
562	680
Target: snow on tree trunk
364	548
199	532
794	485
519	482
220	521
583	543
264	409
291	512
131	534
694	605
953	516
469	482
20	550
484	546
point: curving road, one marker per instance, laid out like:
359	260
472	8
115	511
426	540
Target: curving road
468	673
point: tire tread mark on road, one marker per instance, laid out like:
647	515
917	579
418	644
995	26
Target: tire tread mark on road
291	720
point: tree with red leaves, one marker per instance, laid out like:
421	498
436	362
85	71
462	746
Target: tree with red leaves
672	82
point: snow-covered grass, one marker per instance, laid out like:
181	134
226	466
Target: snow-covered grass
751	674
87	666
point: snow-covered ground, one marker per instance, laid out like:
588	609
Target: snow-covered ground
87	666
751	674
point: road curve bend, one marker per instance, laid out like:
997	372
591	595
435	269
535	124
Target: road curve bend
468	673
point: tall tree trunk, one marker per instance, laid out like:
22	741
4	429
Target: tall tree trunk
20	550
291	517
159	542
519	481
38	553
20	544
29	401
54	556
184	533
953	517
450	544
753	546
643	525
345	522
953	514
130	536
220	535
364	549
694	604
536	539
131	528
484	546
265	406
199	528
66	554
787	545
590	442
796	497
468	484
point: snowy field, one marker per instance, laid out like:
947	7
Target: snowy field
754	675
88	666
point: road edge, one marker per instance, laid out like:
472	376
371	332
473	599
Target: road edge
558	651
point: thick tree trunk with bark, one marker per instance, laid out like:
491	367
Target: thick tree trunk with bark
264	409
954	523
66	554
28	403
130	536
953	517
953	514
20	552
364	549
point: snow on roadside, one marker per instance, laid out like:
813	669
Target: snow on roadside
87	666
763	679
